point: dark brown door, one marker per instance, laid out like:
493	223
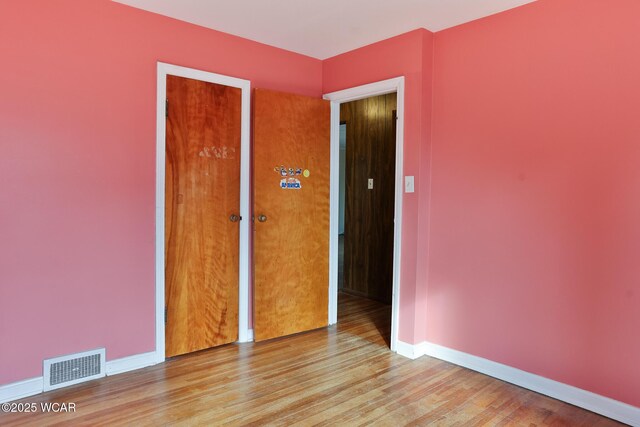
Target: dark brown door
202	195
291	206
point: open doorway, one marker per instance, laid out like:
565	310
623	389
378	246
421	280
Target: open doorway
366	211
394	85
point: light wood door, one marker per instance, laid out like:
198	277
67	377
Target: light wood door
291	207
202	192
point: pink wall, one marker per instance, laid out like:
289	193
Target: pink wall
525	156
77	170
408	55
535	231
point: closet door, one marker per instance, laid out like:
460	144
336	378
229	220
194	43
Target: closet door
202	204
291	213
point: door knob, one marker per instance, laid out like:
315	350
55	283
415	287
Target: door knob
262	218
234	218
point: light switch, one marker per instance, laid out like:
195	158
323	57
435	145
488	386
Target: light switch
408	184
370	184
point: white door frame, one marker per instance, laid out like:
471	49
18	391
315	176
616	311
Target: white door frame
337	98
243	273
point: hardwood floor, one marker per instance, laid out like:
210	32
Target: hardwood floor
342	375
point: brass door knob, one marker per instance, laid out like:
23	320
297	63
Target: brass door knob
234	218
262	218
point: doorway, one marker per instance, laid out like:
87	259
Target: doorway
367	172
337	99
239	218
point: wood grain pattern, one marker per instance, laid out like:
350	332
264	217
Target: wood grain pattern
202	190
291	249
369	214
338	376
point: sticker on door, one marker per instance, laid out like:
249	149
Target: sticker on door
289	182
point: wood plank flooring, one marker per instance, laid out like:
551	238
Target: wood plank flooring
339	376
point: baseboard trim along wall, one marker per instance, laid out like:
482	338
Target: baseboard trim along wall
26	388
131	363
584	399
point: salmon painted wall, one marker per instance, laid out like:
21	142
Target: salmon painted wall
408	55
77	170
535	227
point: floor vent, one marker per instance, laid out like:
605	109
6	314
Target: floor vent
73	369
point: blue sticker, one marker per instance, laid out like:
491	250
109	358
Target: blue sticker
290	184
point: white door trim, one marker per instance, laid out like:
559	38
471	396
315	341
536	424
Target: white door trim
337	98
243	273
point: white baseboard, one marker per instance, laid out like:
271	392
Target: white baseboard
130	363
250	335
21	389
411	351
584	399
26	388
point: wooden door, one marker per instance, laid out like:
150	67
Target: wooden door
202	192
291	208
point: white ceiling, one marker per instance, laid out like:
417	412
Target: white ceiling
324	28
